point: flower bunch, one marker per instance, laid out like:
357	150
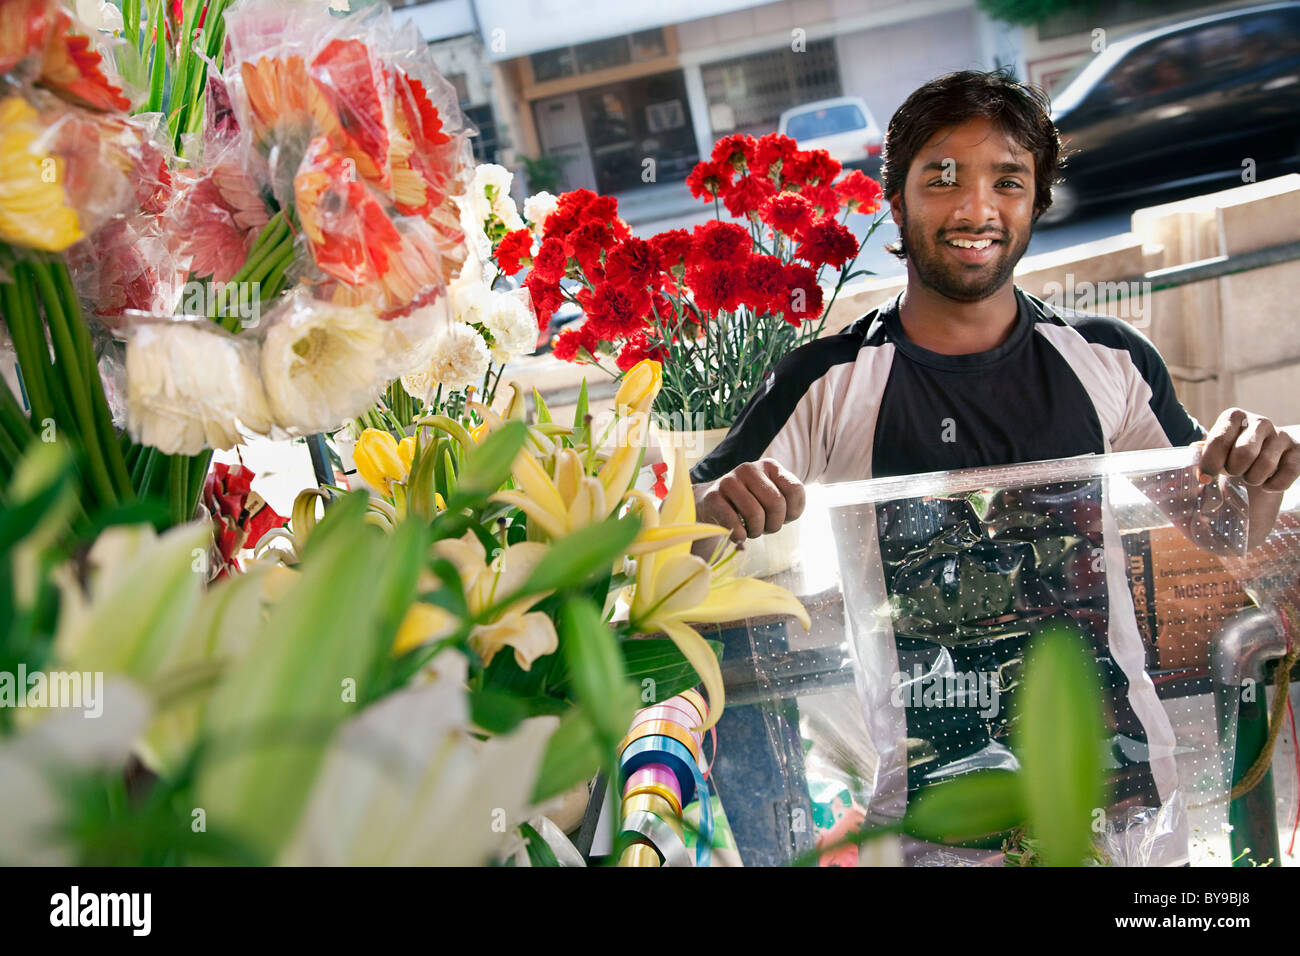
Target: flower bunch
717	305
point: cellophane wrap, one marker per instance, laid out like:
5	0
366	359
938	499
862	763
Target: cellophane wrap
924	592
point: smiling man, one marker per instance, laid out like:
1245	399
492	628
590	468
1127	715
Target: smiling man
963	369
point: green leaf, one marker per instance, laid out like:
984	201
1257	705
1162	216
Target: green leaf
656	659
498	712
574	559
1058	741
581	434
272	719
574	752
971	808
486	468
539	852
343	511
595	670
543	413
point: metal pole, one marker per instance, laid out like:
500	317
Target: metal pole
1238	655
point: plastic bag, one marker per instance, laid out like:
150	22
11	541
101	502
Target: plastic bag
925	590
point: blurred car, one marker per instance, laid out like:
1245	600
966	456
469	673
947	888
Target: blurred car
843	126
1183	104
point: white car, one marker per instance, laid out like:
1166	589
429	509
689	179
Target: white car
843	126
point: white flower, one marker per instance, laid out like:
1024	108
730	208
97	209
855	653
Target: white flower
100	15
460	357
513	328
188	387
321	364
476	207
471	303
537	208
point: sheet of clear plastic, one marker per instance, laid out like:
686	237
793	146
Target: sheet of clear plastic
924	592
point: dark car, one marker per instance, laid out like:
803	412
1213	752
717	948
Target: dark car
1189	103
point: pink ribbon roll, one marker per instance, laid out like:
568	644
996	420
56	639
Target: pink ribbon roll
654	778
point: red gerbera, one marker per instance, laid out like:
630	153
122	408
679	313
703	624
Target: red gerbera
515	251
859	192
73	69
766	283
356	86
789	213
717	285
770	150
827	242
708	179
802	300
747	194
633	262
671	246
717	241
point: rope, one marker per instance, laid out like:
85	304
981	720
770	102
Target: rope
1281	695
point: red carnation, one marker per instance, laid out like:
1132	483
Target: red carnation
671	246
586	243
601	209
551	260
747	194
827	242
633	262
802	300
823	198
789	213
717	241
570	343
637	349
546	296
515	251
620	309
859	192
708	179
770	150
819	168
717	285
568	212
735	151
766	283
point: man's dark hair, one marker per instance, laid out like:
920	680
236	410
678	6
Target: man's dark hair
1020	110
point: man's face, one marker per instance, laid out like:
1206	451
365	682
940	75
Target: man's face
967	210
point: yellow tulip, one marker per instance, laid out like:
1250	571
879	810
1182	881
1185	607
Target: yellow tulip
640	386
406	451
34	209
379	460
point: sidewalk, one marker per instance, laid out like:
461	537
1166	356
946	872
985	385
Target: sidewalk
651	204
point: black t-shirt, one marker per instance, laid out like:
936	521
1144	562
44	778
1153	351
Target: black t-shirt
868	403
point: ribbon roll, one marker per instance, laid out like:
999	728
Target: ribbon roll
657	779
696	700
640	854
671	753
657	805
678	713
662	728
670	847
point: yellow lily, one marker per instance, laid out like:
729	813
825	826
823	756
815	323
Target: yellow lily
562	505
421	624
530	633
379	459
675	589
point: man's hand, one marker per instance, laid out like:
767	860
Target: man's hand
1248	446
753	499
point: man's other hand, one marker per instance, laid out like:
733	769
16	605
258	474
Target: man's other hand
1248	446
754	499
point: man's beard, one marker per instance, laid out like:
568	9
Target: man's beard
951	280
